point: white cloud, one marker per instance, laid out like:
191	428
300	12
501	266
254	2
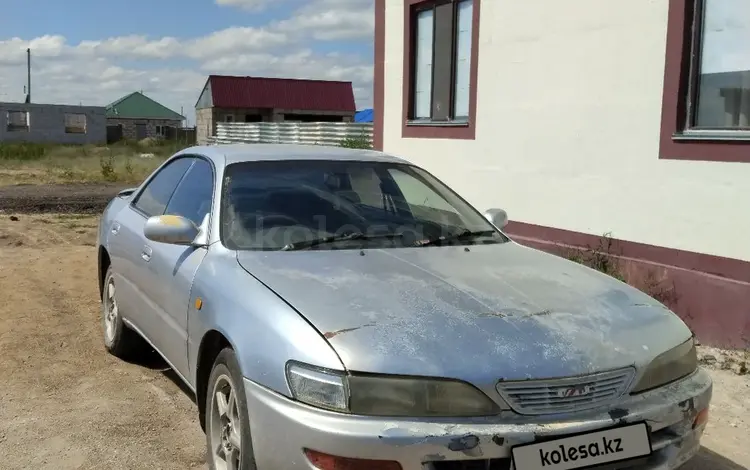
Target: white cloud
328	20
13	50
250	5
235	40
173	70
300	64
133	46
226	41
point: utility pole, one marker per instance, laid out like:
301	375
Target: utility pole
28	75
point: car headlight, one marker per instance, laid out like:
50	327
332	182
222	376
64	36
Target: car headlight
387	396
390	396
668	367
318	387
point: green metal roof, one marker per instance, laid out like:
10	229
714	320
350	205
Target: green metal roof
139	106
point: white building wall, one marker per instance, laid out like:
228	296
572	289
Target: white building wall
568	125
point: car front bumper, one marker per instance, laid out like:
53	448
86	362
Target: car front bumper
282	429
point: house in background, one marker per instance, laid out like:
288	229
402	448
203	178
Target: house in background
52	123
580	128
136	117
260	99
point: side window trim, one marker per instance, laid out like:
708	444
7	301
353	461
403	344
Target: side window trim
210	162
137	196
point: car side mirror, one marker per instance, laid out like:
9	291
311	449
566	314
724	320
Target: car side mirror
497	217
172	229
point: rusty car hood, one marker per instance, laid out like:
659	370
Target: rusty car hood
472	313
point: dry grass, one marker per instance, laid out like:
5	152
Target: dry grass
127	162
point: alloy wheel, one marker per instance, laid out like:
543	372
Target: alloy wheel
224	425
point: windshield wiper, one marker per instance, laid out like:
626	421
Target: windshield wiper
462	235
337	238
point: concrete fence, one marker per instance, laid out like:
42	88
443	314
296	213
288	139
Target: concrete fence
312	133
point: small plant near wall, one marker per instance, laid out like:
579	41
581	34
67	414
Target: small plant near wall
604	258
360	142
107	165
129	167
601	257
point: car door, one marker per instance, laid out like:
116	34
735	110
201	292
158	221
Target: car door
130	250
173	267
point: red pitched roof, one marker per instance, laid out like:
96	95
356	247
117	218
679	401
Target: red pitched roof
283	93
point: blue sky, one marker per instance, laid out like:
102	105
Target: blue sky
93	52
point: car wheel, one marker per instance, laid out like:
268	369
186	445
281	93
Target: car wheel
119	340
227	420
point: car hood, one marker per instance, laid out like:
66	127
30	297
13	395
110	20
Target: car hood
472	313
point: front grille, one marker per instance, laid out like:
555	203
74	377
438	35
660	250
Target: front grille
537	397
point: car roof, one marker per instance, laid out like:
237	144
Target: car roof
237	153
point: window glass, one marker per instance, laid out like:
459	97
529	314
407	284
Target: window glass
417	194
441	62
366	184
193	196
423	65
463	59
723	100
268	205
155	196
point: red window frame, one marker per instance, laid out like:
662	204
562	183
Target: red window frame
434	130
677	142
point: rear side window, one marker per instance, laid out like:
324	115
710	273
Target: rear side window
155	196
193	196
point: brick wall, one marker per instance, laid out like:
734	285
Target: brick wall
204	125
129	126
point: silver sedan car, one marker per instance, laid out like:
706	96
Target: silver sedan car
344	309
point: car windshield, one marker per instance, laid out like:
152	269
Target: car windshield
326	205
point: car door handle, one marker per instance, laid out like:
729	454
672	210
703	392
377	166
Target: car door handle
146	253
115	228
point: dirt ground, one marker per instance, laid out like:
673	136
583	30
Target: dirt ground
78	198
66	404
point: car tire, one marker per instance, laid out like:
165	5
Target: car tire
119	340
227	417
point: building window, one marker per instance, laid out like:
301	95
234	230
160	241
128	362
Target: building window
720	79
706	101
17	121
229	118
441	65
75	123
440	68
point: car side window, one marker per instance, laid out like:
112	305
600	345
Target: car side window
155	196
418	194
193	196
366	184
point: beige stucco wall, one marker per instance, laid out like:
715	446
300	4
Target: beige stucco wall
568	123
